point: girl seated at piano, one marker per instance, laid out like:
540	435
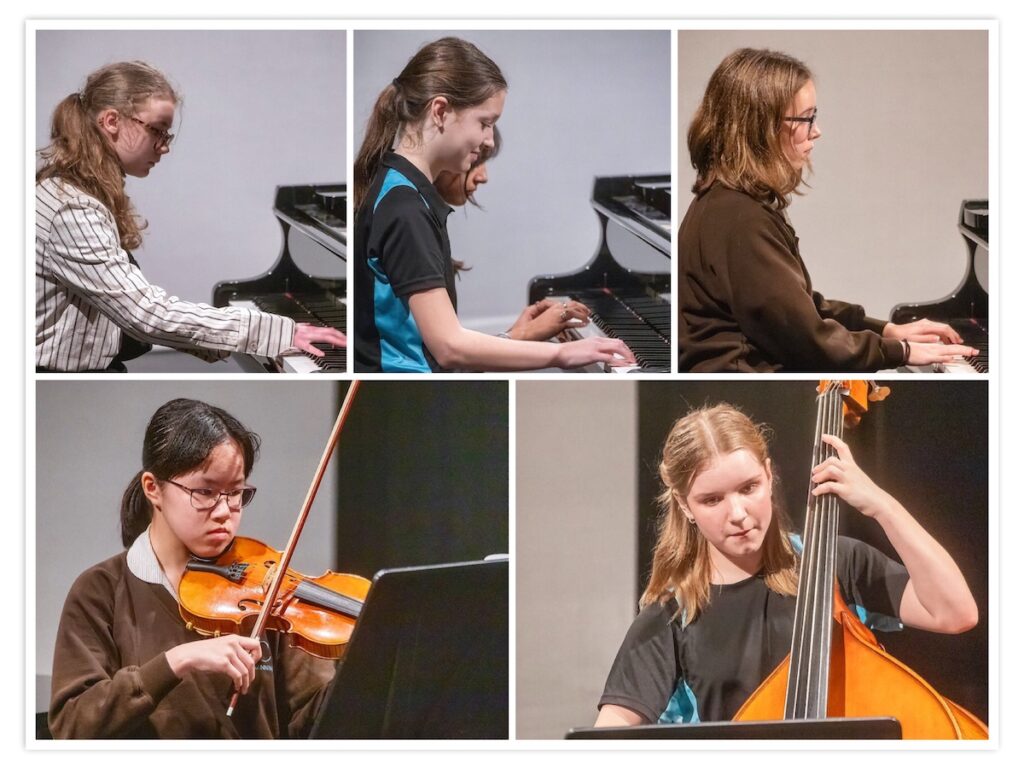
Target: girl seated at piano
543	319
437	116
125	665
746	303
94	307
726	559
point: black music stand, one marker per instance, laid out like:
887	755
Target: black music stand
428	658
829	728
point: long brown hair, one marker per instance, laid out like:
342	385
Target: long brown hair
735	137
81	155
682	562
449	67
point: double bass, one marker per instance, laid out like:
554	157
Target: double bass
836	667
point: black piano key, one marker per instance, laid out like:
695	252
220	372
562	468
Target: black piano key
641	322
315	309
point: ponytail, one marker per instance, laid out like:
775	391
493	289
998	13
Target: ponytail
449	67
381	130
136	512
81	155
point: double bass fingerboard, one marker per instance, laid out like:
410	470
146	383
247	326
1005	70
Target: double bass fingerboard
807	692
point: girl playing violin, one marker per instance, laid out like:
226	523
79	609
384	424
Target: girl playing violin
438	115
717	614
745	297
94	307
125	665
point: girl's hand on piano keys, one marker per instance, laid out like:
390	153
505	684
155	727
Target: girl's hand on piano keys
574	354
546	319
925	354
924	331
306	335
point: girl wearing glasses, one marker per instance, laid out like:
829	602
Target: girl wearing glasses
745	297
437	116
125	665
94	307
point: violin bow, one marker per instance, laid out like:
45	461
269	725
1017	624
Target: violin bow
282	568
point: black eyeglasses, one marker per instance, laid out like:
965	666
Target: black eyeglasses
163	138
808	120
206	499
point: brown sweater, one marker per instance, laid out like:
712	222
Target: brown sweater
111	678
746	303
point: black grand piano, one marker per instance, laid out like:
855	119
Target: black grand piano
313	220
966	308
625	303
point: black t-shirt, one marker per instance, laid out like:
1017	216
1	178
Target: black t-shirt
707	669
401	248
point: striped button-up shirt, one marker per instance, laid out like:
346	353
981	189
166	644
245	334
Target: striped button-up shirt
88	293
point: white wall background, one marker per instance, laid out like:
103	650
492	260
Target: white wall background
576	512
580	104
89	446
904	121
261	109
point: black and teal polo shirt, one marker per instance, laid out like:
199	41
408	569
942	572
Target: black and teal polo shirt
402	247
704	670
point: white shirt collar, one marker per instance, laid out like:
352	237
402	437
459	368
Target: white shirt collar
143	563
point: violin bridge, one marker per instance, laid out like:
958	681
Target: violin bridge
269	578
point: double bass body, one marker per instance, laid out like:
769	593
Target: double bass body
865	681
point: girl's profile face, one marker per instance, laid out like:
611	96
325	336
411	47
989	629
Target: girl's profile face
798	137
468	133
456	188
730	501
204	534
138	139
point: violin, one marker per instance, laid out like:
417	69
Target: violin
225	596
836	667
250	587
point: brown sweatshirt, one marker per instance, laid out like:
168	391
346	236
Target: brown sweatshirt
111	678
746	303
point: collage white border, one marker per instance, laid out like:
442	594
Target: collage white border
672	25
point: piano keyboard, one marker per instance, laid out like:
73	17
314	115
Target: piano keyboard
642	322
974	336
316	309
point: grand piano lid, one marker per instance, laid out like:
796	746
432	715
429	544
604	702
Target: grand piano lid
319	211
640	204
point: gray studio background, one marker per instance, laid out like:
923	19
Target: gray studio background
576	511
580	104
261	109
904	121
77	521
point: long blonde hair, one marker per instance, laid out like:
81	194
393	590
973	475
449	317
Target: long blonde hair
735	137
682	562
81	155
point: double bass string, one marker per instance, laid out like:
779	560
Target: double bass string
806	695
799	664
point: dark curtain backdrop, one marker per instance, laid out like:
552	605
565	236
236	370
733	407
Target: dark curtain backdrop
422	474
927	445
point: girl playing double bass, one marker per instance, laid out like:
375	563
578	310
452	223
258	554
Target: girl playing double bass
717	615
